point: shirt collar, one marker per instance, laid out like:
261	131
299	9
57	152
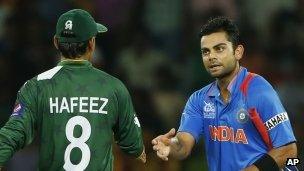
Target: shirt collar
75	63
236	81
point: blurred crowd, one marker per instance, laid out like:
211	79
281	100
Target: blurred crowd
154	48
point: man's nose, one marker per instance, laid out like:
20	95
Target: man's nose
212	56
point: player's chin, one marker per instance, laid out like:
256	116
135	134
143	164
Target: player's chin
216	74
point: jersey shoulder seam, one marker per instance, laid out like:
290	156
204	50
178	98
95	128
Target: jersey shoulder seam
49	74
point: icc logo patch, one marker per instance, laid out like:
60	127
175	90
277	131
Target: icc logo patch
242	116
18	109
209	110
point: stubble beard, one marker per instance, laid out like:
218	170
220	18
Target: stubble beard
225	72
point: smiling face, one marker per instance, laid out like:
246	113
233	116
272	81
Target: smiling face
219	57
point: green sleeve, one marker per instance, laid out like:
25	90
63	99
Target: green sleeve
19	130
127	130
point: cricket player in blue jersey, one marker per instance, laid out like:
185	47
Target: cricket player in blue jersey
239	115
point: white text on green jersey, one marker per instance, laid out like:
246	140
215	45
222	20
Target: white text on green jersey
78	104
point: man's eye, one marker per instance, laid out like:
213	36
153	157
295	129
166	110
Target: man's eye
220	49
205	52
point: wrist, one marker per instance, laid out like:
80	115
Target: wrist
174	143
174	140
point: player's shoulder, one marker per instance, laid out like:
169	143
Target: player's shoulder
202	92
259	83
107	77
49	74
260	89
29	86
115	82
45	75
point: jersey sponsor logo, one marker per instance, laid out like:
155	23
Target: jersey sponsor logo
242	116
68	25
18	110
209	110
225	133
276	120
78	104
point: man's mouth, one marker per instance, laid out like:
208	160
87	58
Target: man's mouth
214	66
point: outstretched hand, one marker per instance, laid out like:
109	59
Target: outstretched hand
162	144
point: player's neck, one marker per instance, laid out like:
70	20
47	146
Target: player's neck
85	57
75	59
225	81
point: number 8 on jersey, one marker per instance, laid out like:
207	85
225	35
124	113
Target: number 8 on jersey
77	142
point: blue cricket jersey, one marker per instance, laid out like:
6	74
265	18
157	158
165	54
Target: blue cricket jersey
232	141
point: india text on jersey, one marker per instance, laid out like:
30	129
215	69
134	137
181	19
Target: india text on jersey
225	133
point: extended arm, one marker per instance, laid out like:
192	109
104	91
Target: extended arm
127	130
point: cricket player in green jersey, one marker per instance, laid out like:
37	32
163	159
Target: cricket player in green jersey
74	108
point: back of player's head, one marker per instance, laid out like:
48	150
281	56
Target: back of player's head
73	50
74	29
219	24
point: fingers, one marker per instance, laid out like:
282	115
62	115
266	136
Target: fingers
155	140
171	133
165	140
162	150
162	156
161	144
164	137
155	148
161	139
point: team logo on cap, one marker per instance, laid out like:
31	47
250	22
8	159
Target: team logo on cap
69	25
209	110
242	116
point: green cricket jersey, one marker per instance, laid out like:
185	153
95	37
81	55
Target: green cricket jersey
75	109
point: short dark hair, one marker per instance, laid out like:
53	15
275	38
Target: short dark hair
218	24
73	50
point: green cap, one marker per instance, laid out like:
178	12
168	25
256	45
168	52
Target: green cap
77	25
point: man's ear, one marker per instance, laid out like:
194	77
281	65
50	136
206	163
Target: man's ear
239	51
91	44
55	41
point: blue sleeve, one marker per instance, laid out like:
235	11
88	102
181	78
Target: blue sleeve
191	119
264	98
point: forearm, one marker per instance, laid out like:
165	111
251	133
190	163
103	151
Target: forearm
279	156
12	138
7	148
